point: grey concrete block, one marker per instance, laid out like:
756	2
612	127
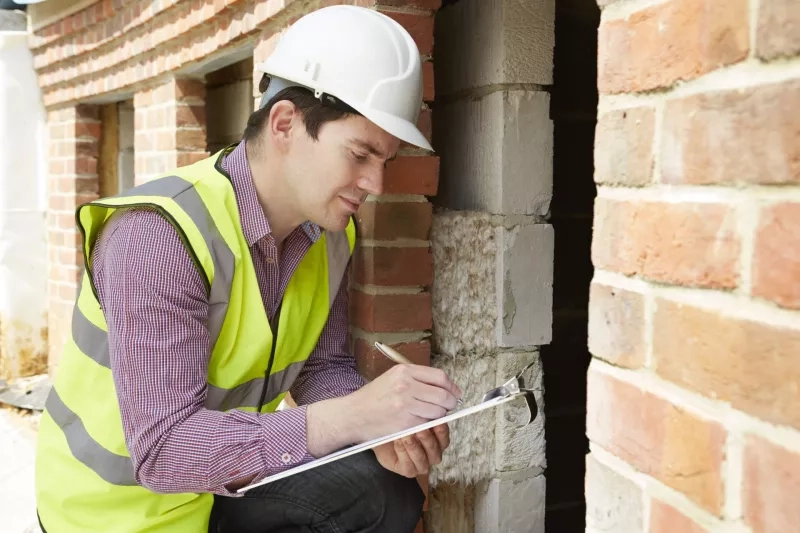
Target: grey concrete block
489	42
511	506
524	285
516	447
494	278
613	502
496	153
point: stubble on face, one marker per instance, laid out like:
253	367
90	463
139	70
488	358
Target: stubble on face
333	175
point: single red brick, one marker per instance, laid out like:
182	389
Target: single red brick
192	140
428	91
770	487
660	439
190	115
666	519
412	175
624	146
372	363
391	312
395	220
758	374
758	135
671	41
617	325
394	266
691	244
776	260
188	88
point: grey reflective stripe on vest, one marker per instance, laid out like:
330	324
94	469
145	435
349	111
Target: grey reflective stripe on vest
338	248
113	468
93	341
248	394
187	197
90	339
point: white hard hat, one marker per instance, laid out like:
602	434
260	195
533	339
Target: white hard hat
358	56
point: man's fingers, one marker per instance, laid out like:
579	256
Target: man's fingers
435	395
405	466
416	453
437	378
430	443
442	433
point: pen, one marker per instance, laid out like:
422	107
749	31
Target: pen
397	357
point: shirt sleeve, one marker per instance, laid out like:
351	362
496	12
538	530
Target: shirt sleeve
330	370
156	309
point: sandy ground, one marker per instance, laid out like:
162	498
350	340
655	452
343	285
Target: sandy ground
17	449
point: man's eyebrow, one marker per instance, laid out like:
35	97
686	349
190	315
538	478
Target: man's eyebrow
368	146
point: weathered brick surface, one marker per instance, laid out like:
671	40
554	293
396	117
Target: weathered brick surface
617	325
692	244
74	135
395	220
776	260
391	312
372	363
678	448
778	31
394	266
706	176
412	175
613	502
752	365
664	518
770	487
731	137
624	147
669	42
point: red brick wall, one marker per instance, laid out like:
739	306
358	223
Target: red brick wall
74	135
694	387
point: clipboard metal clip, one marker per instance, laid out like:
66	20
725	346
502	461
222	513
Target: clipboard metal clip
516	385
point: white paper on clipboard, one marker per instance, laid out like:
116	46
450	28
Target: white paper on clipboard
346	452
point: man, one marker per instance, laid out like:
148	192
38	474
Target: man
213	291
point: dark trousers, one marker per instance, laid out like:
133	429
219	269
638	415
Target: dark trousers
352	495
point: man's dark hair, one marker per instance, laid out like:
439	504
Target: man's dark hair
314	112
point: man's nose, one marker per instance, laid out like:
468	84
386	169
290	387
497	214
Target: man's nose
372	181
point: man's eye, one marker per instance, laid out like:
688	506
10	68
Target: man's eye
359	157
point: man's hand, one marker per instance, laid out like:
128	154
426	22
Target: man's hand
402	397
414	455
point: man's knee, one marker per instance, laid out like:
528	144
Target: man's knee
394	502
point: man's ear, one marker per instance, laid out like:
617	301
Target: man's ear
281	122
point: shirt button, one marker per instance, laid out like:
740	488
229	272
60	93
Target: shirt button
270	260
286	458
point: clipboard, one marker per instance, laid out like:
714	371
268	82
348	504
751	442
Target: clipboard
511	390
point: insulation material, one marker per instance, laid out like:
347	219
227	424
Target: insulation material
491	441
463	297
23	253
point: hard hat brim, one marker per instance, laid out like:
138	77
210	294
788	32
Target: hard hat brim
400	128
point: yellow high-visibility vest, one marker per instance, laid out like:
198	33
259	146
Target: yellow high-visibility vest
84	473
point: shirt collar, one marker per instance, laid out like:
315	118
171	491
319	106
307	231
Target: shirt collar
255	225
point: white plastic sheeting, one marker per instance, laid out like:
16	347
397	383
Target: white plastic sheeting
23	204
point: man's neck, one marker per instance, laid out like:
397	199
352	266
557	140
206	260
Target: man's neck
275	199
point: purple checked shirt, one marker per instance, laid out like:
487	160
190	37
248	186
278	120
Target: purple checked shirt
156	308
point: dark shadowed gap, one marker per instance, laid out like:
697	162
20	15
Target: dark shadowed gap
566	359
